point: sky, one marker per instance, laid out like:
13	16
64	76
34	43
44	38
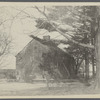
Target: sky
21	26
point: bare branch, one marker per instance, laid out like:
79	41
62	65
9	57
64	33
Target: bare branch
23	11
44	9
5	42
5	21
81	44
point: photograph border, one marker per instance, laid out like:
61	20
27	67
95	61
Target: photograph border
75	97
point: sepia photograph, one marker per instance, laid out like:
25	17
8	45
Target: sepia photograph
49	49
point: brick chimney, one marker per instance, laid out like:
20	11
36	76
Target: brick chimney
46	38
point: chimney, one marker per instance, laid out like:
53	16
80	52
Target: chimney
46	38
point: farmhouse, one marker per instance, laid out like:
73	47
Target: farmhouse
41	56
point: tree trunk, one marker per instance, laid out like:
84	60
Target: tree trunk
93	70
76	70
97	52
92	57
86	66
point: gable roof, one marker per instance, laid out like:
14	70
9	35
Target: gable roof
51	43
42	52
46	47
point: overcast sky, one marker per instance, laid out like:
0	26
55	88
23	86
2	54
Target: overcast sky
19	23
22	25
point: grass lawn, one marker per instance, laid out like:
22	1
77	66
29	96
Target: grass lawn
26	89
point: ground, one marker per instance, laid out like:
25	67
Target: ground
33	89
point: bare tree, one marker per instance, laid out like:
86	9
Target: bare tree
5	42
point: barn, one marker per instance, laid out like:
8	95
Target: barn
43	55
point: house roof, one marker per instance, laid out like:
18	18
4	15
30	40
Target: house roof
49	43
54	43
45	42
38	51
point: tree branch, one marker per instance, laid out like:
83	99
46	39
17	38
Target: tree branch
80	44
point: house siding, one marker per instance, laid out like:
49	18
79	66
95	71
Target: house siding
30	59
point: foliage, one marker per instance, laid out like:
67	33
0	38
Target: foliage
81	18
